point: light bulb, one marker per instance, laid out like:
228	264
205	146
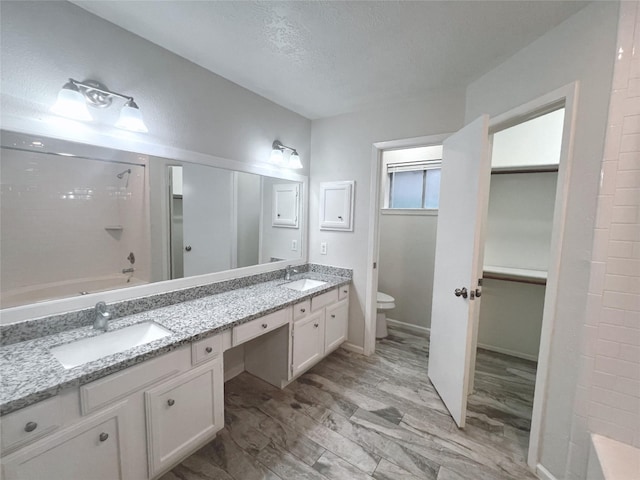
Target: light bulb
71	103
276	157
131	118
294	160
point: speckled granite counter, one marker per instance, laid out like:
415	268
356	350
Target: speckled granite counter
29	373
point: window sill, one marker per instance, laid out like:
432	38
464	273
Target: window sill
410	211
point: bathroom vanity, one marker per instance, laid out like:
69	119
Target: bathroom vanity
137	413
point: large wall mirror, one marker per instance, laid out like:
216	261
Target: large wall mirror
77	219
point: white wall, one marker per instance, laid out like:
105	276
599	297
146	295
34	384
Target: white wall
608	395
342	150
407	254
581	48
184	105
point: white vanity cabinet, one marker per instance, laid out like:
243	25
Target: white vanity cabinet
307	342
183	413
91	449
319	327
336	325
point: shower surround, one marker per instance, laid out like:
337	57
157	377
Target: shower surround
68	224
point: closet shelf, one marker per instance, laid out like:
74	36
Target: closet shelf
525	169
523	275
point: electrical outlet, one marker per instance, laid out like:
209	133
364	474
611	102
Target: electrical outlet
294	245
323	248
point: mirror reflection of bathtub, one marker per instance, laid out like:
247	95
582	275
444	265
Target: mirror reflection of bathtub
77	219
67	288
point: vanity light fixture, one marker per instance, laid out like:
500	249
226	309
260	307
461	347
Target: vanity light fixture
74	96
277	156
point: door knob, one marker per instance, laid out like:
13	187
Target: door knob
461	292
476	293
188	248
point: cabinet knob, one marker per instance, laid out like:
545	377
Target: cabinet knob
264	325
315	325
333	316
303	310
104	436
30	426
171	402
208	349
345	291
339	218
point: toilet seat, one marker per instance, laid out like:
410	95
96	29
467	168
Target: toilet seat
384	301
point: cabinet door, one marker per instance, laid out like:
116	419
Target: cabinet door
183	413
336	205
285	205
91	449
308	342
336	322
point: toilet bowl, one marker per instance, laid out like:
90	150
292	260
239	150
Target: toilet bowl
384	302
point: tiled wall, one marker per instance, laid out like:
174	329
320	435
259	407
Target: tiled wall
608	394
54	211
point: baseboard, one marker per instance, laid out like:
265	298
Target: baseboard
506	351
408	326
353	348
543	473
233	372
426	330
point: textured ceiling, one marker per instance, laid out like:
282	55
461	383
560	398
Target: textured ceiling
325	58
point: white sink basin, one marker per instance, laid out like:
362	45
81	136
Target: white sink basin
304	284
86	350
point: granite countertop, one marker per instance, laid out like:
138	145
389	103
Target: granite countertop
29	373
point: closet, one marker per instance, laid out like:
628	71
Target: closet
525	160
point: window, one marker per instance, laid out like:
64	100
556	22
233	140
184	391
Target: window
413	177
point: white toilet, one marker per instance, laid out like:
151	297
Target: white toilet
384	302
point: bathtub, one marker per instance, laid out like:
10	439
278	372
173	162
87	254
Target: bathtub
65	289
612	460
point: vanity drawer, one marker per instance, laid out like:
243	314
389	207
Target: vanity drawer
343	292
100	393
30	423
206	349
257	327
301	309
324	299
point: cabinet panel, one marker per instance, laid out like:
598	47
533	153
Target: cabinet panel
301	309
324	299
308	342
206	349
336	205
91	449
182	413
285	205
257	327
343	292
336	323
30	423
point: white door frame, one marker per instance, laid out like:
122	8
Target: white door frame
373	247
566	95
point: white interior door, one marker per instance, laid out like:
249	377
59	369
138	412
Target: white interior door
464	193
207	219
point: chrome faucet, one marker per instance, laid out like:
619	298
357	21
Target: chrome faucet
288	271
102	317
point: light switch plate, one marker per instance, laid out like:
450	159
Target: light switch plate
294	245
323	248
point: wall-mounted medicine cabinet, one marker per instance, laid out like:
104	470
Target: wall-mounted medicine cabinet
336	205
285	205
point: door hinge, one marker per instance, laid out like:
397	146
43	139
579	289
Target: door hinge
292	369
375	264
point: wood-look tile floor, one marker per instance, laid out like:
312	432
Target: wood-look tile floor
355	417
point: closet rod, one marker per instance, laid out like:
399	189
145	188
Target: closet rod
503	171
510	278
